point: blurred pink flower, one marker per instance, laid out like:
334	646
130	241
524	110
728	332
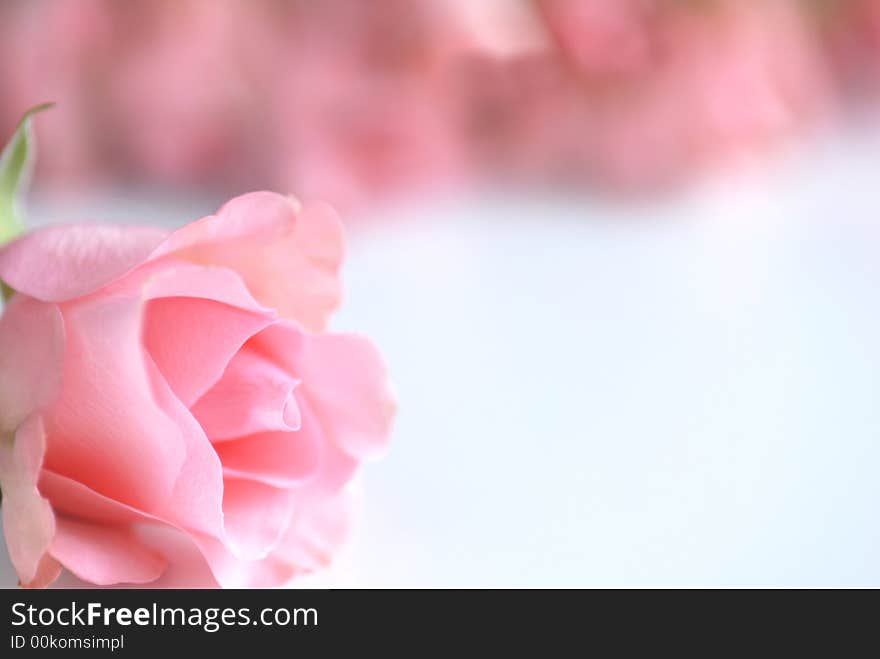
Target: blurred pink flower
366	110
358	102
182	381
650	122
354	141
188	90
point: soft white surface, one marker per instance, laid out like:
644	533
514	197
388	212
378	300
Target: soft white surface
677	394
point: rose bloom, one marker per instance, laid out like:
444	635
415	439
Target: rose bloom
182	382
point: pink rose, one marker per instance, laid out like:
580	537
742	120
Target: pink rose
185	382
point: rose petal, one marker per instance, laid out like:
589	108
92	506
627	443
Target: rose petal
106	430
303	459
192	340
172	278
346	384
255	515
104	554
336	466
254	395
28	521
196	502
288	256
47	572
72	498
63	262
318	532
31	357
187	566
245	517
185	570
313	538
282	459
344	381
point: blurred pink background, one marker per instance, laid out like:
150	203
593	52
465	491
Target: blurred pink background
356	102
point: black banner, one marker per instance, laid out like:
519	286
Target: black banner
134	621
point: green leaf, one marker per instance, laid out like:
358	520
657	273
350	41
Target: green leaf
16	163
